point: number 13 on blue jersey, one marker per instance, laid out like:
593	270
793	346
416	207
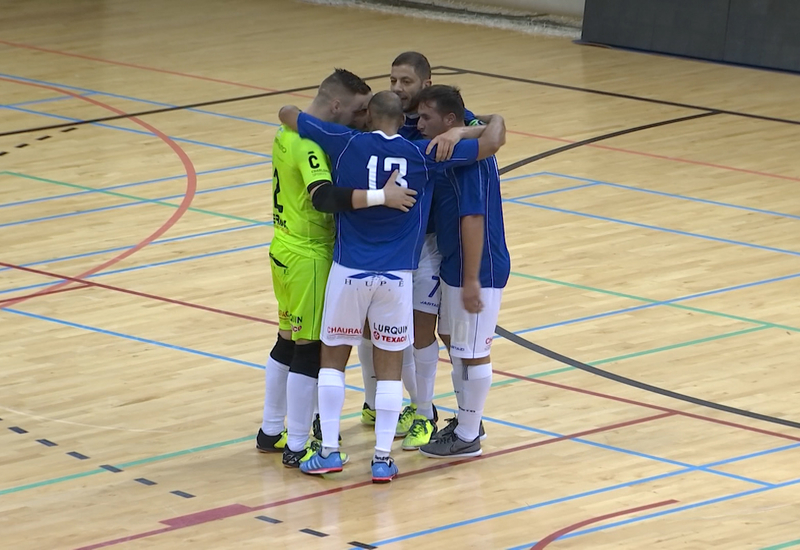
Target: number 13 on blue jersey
389	165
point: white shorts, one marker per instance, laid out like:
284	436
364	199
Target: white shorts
352	295
427	291
470	334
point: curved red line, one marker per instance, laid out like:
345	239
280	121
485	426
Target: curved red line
191	188
561	532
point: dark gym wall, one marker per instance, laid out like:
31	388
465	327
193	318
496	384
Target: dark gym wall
764	33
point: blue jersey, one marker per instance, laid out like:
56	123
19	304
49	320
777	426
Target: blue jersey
409	131
381	238
466	191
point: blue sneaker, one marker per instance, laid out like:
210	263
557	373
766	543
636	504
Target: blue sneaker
317	465
384	472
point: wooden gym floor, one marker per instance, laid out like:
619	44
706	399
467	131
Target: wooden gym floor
137	310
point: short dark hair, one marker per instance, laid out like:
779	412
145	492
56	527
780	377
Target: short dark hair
444	100
344	80
386	104
415	60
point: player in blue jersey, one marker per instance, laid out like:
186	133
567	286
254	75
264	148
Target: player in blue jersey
375	252
410	74
475	269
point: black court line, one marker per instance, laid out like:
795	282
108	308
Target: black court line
145	481
182	494
363	545
636	384
79	456
47	443
623	96
111	468
18	430
618	133
70	125
268	519
312	532
603	373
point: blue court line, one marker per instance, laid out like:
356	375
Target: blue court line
128	247
675	196
135	131
586	494
356	388
669	511
46	100
135	203
145	266
654	227
135	338
137	99
661	303
134	184
573	188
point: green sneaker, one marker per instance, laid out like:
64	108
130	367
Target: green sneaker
270	443
405	420
367	415
422	429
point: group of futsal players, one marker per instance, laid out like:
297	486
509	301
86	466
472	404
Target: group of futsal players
388	220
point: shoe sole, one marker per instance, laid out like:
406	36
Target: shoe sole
322	472
267	451
383	479
458	455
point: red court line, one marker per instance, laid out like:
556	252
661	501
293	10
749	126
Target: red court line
205	516
191	187
86	283
647	405
661	157
26	296
143	67
561	532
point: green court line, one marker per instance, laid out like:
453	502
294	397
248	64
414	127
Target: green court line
651	301
135	198
783	545
245	439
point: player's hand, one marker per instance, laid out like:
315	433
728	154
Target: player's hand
445	144
471	296
396	196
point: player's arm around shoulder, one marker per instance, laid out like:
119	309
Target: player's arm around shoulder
492	138
328	198
288	116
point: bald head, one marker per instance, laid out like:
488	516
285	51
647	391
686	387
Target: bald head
384	108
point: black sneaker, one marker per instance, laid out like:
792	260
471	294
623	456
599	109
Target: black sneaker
452	424
452	446
316	429
270	443
293	459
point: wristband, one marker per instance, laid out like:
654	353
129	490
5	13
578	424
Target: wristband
376	197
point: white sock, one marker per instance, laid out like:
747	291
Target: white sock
388	402
331	401
367	371
409	375
301	396
275	375
476	389
457	375
425	361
